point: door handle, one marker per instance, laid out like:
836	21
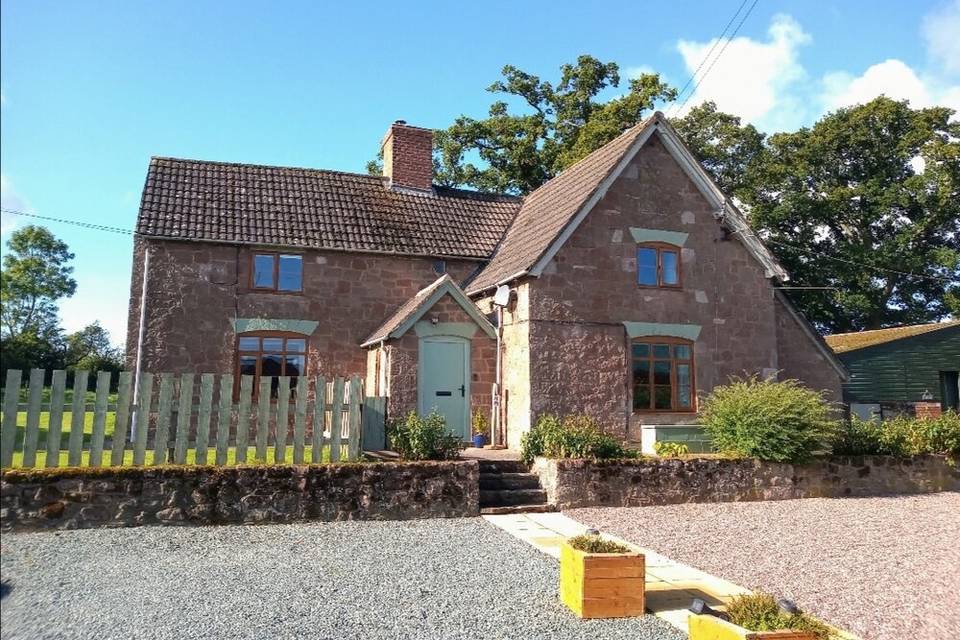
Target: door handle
463	389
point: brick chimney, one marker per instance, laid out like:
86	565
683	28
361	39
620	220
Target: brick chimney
408	156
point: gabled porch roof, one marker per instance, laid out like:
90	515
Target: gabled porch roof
413	309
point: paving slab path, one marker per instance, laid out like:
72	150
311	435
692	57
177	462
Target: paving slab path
417	579
882	568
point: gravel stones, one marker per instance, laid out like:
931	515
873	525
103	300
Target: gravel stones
453	579
882	568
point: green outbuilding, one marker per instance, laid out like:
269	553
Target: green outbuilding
912	369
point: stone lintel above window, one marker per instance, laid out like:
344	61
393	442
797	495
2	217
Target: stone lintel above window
641	236
645	329
245	325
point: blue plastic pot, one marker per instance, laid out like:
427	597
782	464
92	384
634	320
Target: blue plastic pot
478	440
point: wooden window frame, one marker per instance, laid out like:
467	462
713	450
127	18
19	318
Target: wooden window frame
661	248
285	335
655	340
275	255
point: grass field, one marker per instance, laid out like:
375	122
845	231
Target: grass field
110	423
191	457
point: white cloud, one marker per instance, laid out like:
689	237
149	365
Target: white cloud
941	30
892	78
9	199
753	79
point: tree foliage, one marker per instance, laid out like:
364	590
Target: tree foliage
845	205
540	128
35	275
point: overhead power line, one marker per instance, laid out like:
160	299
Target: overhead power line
710	52
77	223
718	56
864	265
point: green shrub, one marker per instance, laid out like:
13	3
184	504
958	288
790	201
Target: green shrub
573	436
596	544
418	438
671	449
770	420
902	436
760	612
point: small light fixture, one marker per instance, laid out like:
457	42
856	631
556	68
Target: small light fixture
434	320
926	396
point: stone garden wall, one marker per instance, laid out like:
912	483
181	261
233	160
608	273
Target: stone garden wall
634	483
132	496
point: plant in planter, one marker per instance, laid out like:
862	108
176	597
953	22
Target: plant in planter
481	429
600	578
758	616
670	449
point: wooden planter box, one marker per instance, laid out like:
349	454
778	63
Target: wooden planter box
704	627
602	585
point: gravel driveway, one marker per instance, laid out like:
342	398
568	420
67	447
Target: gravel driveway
883	568
422	579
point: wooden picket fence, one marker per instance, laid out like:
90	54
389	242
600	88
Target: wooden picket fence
186	419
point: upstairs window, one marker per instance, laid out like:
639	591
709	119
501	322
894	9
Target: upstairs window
658	265
271	354
277	272
662	375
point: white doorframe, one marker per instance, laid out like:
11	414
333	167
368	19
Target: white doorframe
422	400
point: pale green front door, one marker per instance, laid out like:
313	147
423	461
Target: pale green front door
444	381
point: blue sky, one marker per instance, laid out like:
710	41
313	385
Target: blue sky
91	90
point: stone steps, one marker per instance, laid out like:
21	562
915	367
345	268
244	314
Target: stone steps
507	486
510	480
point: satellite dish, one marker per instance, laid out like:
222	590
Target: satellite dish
502	296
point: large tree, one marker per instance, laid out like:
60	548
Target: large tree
867	202
541	128
35	275
730	151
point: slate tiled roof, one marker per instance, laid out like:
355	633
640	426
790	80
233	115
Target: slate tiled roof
242	203
842	342
547	210
405	310
420	303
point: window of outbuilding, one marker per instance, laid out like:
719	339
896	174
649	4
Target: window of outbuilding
272	354
277	272
662	375
658	265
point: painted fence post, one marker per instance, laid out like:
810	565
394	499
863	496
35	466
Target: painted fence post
8	431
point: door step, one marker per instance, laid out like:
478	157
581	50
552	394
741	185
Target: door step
519	508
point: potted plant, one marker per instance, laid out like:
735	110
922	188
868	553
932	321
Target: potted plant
757	616
480	430
600	578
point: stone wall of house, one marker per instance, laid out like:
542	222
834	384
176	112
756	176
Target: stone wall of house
196	289
798	359
133	496
578	345
404	355
637	483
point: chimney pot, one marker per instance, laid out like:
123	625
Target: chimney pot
408	156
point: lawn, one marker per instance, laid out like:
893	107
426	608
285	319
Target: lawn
191	457
110	422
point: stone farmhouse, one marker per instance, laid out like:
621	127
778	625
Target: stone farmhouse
623	288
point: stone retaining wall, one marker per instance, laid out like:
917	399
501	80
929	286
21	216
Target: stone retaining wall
132	496
634	483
